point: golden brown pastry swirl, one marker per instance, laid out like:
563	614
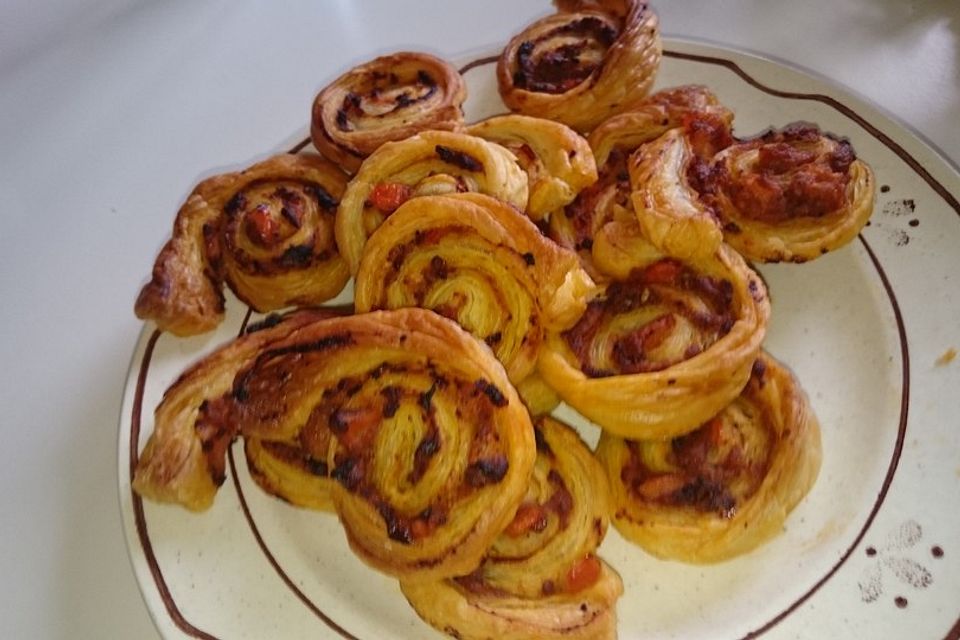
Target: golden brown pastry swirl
388	98
429	163
581	65
557	160
428	442
725	488
694	109
480	262
791	194
541	577
266	231
665	347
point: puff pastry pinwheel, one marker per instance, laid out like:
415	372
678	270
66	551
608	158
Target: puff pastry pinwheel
706	125
429	163
592	59
557	160
429	444
664	348
266	231
541	577
183	461
725	488
478	261
791	195
389	98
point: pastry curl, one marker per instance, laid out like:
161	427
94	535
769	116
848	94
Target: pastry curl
692	108
791	195
427	440
430	163
663	350
557	160
266	231
183	461
478	261
592	59
671	214
288	471
388	98
725	488
541	577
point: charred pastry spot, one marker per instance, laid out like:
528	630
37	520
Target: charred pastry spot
487	471
397	529
491	391
758	370
297	256
548	588
317	467
706	495
529	259
342	122
403	100
493	339
352	102
326	201
328	342
348	473
425	78
542	445
426	398
235	204
438	269
458	158
271	320
425	451
391	397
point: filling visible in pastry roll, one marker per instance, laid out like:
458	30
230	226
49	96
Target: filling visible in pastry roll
480	262
541	578
592	59
557	160
389	98
791	194
430	163
184	460
725	488
427	442
267	232
706	125
664	348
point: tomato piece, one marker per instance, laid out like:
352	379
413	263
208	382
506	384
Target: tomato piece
666	271
529	516
583	573
261	228
388	196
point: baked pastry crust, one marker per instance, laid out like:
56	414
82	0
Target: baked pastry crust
541	577
428	442
287	471
665	348
183	461
267	232
429	163
558	161
693	108
478	261
792	194
729	486
389	98
592	59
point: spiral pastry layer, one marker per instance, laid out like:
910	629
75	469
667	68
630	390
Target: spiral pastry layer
183	461
592	59
557	160
429	163
290	472
541	578
389	98
692	108
725	488
266	231
663	350
791	195
429	444
478	261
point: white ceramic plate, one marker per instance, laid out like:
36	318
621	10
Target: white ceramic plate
872	552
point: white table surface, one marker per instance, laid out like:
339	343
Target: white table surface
111	110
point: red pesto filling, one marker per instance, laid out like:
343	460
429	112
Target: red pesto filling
789	181
647	286
560	69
